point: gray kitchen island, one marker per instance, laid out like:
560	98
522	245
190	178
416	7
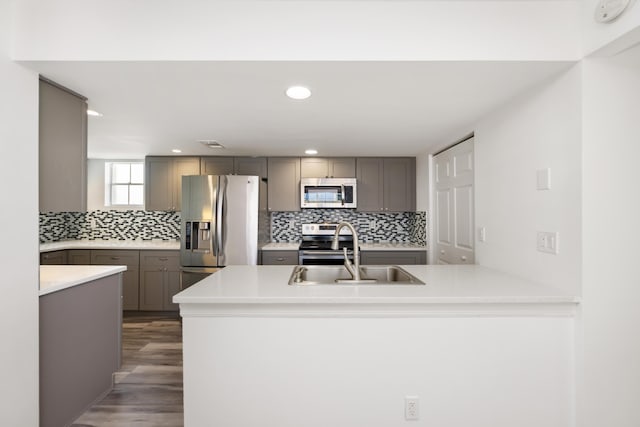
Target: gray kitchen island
472	346
80	314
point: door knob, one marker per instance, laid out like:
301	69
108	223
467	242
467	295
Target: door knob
464	258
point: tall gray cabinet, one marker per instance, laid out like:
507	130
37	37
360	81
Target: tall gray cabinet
62	149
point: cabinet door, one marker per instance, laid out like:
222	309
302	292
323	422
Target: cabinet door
399	184
393	257
216	165
79	257
53	258
342	167
280	257
152	289
313	167
182	166
130	279
369	172
254	166
284	184
158	183
62	150
172	287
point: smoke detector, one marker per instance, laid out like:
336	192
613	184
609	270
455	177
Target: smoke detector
211	143
608	10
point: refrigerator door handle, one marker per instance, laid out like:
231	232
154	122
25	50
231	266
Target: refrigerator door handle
220	214
214	226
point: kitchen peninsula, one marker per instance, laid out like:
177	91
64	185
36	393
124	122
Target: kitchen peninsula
80	316
475	346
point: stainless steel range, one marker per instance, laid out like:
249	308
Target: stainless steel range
315	248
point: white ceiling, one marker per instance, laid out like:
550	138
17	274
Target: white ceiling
357	108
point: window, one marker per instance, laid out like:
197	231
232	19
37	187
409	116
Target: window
124	184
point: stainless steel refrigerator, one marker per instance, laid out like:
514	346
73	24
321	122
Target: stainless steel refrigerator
219	224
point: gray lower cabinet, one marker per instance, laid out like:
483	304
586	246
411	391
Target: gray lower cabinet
284	184
280	257
393	257
53	258
386	184
159	280
62	150
130	278
79	256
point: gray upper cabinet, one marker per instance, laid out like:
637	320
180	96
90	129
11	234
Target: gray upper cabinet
62	150
216	165
163	183
330	167
369	173
284	184
386	184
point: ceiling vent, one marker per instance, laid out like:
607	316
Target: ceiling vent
211	143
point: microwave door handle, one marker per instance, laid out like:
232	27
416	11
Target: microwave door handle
342	189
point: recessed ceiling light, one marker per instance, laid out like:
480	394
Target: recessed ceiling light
93	113
298	92
176	150
311	151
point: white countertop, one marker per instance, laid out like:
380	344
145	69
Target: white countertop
58	277
363	247
445	285
111	244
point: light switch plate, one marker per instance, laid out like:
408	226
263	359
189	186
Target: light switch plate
544	179
482	234
548	242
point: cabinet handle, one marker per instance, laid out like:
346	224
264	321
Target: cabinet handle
280	259
115	258
163	258
463	258
442	251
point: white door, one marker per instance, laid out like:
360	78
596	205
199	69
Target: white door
453	213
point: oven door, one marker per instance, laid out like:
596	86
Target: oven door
320	257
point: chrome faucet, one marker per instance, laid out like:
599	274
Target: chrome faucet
353	268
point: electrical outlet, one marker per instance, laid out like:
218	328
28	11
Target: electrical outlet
547	242
411	408
482	234
372	224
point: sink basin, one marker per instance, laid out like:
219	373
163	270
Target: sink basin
338	275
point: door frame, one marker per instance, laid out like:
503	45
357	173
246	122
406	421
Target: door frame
431	217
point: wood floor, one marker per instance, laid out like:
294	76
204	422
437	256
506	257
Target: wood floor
148	388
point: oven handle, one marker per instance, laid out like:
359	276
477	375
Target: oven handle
323	254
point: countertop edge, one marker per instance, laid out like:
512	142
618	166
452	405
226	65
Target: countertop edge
133	245
81	275
434	307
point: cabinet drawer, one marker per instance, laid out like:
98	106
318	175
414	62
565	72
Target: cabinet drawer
168	259
116	257
393	257
280	257
53	258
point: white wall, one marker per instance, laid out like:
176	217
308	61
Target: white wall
19	231
539	129
354	372
307	30
611	232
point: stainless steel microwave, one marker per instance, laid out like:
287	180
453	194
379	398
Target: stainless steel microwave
328	193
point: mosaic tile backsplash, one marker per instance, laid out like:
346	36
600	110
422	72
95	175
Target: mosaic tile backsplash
400	227
109	225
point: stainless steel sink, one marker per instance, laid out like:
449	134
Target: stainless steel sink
338	274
